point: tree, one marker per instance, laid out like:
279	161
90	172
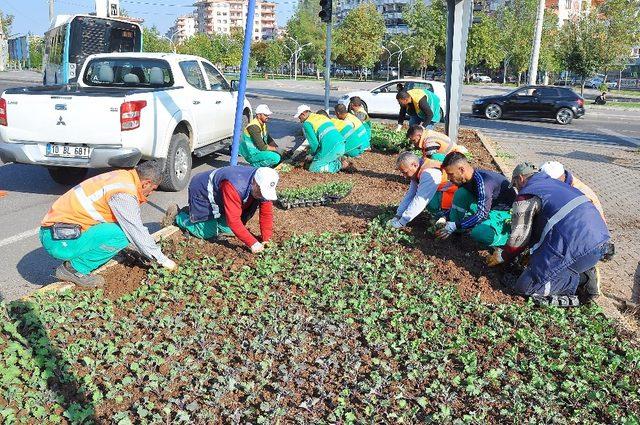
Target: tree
359	37
482	48
428	33
7	22
154	41
582	46
516	21
36	45
305	27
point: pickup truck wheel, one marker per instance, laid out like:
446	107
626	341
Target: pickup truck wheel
177	169
67	176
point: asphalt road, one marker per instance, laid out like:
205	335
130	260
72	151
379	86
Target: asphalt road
29	192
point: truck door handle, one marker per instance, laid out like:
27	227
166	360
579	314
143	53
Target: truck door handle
218	102
196	102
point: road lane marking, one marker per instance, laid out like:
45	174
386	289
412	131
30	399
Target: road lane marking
613	133
19	237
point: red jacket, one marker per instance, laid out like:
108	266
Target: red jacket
233	209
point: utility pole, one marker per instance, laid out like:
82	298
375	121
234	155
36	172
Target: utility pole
535	51
326	10
50	10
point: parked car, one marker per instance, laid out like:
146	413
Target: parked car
391	73
560	103
596	82
481	78
126	107
381	100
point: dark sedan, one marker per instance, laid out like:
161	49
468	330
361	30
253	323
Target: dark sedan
559	103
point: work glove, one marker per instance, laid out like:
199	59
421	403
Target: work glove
399	128
168	264
395	223
495	258
447	230
257	248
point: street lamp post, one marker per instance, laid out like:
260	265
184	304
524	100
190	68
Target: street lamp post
389	54
296	53
173	44
290	58
400	52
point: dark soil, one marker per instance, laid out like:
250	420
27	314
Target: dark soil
377	186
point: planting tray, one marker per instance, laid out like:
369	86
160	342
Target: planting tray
306	203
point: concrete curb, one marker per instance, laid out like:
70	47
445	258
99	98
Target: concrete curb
605	303
65	286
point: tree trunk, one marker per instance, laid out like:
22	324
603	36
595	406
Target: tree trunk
620	80
582	87
519	77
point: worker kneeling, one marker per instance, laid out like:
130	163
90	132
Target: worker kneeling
564	232
426	139
326	144
356	137
357	108
481	204
257	146
428	188
223	200
91	223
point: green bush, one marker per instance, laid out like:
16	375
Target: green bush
337	189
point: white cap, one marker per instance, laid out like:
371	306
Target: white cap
301	109
263	109
553	169
267	179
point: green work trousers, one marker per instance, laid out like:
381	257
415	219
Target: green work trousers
209	229
327	158
357	142
95	246
494	231
258	158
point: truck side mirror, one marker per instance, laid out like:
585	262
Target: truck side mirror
234	85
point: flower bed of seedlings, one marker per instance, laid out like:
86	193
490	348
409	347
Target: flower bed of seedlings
320	194
331	328
386	139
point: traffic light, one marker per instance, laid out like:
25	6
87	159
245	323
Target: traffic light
325	10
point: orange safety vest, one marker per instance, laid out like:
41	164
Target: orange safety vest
447	188
87	204
438	138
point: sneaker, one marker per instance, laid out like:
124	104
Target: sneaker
589	286
67	273
556	300
170	215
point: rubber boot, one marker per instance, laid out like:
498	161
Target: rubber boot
589	286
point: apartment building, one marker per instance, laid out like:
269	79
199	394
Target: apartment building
184	27
391	11
220	16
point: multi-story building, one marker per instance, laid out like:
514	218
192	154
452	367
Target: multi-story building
391	11
184	27
220	16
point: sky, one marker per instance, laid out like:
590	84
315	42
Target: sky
33	15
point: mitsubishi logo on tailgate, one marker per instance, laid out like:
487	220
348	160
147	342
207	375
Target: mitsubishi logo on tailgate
61	121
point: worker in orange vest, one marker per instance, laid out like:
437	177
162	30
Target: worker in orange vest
425	139
428	188
92	222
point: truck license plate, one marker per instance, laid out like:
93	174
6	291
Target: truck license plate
66	151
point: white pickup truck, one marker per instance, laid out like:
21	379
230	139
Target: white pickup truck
125	107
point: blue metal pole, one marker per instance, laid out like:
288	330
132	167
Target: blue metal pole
244	70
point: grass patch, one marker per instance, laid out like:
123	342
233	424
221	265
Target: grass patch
322	329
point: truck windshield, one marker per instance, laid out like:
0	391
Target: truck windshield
128	72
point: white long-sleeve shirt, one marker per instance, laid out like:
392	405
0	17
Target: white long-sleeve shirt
419	195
